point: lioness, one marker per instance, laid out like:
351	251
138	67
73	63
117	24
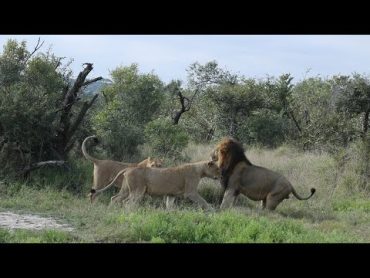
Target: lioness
239	175
106	170
175	181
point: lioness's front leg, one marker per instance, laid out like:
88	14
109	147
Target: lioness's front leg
229	198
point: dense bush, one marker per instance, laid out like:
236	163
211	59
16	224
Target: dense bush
165	138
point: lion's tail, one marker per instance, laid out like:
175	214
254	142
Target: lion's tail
93	191
313	190
83	147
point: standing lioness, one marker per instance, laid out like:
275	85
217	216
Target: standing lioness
175	181
106	170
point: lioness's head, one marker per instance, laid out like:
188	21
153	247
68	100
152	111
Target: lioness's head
211	170
214	155
156	162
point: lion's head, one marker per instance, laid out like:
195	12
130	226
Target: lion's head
228	153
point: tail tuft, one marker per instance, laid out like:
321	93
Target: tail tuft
96	140
92	191
313	190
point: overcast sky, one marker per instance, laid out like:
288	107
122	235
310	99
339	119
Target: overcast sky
250	55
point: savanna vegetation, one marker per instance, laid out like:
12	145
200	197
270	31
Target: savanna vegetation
314	131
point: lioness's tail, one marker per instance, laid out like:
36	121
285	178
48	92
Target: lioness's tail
313	190
83	147
93	191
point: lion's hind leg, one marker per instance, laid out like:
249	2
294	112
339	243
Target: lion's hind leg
273	200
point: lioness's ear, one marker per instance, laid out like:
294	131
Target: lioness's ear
149	158
210	163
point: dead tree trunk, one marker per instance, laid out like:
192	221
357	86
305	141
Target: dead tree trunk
365	126
233	126
185	106
63	142
210	134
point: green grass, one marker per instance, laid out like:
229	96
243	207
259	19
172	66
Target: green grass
336	213
100	223
352	205
30	236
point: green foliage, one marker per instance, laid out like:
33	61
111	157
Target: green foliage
130	102
12	62
263	127
26	236
30	92
235	103
353	93
165	138
352	205
313	101
208	75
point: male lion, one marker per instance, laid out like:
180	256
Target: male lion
182	180
238	175
106	170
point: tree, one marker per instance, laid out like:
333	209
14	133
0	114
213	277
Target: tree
236	102
200	79
353	96
283	90
131	101
37	107
165	138
175	90
323	125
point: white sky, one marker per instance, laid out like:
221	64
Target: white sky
250	55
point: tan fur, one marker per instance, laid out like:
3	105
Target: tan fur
257	183
175	181
106	170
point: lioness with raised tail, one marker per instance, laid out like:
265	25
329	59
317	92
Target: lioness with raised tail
106	170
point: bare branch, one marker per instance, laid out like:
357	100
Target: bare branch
71	94
59	62
35	166
37	47
92	81
194	95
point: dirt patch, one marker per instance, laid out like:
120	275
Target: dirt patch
12	220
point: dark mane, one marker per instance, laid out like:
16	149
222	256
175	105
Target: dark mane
232	153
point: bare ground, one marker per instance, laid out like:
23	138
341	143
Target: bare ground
12	221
